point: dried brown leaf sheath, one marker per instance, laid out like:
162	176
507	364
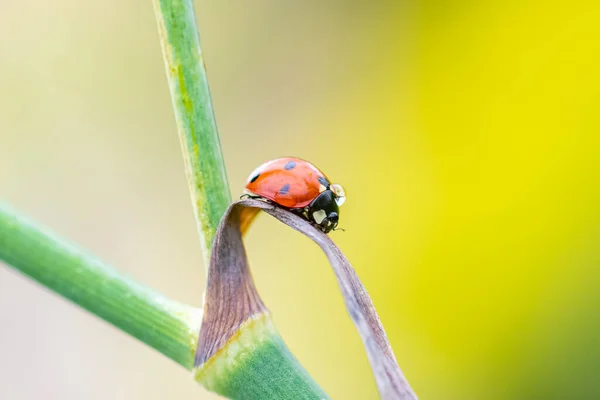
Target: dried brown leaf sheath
231	296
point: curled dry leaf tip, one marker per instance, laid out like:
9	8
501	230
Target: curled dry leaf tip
232	301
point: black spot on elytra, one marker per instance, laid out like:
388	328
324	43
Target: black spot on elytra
324	182
285	188
255	177
289	165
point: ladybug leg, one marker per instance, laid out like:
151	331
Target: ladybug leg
249	196
301	212
298	211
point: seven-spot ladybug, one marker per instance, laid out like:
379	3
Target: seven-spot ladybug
300	187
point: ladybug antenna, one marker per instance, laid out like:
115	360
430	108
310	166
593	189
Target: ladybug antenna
339	229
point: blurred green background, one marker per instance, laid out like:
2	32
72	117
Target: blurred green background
464	132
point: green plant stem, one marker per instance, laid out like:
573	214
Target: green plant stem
194	115
167	326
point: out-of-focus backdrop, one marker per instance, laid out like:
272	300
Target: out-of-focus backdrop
466	134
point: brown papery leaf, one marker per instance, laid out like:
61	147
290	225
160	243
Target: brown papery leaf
231	297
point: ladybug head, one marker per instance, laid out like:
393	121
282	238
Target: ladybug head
324	209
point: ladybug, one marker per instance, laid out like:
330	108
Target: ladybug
299	186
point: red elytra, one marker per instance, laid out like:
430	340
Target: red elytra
290	182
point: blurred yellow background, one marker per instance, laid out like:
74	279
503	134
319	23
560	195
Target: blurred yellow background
464	132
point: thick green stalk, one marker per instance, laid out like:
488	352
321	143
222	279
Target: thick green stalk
167	326
194	115
255	364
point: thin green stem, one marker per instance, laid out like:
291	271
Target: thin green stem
274	372
167	326
194	115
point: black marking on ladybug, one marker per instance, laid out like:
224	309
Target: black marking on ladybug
324	182
289	165
255	177
285	188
